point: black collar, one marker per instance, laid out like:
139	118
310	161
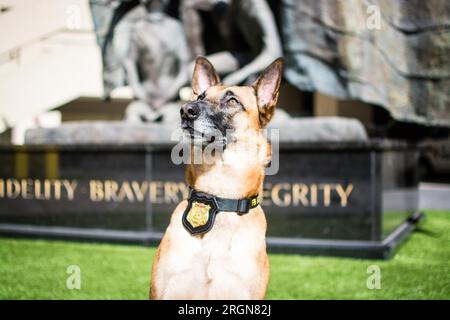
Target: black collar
241	206
202	208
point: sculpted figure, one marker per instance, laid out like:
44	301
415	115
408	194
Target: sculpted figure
155	62
143	47
239	37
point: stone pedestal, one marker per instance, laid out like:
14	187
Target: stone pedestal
350	199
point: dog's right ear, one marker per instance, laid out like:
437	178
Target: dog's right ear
267	87
204	76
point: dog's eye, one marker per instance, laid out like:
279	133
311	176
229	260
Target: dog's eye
233	101
201	96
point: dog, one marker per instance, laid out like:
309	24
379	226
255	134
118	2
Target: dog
214	246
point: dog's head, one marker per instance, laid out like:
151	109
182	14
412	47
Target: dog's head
220	112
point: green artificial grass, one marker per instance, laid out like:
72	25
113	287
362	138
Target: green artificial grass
31	269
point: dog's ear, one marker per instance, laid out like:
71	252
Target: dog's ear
204	76
267	87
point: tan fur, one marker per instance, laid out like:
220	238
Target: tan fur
229	261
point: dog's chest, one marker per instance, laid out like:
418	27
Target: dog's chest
226	249
224	259
223	251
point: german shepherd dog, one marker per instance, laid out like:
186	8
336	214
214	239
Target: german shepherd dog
214	246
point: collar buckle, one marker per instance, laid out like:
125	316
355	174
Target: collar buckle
243	206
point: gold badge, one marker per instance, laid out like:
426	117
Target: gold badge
199	214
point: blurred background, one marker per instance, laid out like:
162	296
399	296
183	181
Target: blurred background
64	61
90	92
92	72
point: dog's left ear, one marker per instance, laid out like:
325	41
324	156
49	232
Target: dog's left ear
204	76
267	87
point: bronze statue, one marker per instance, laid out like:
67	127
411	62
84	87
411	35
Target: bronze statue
245	40
156	62
151	49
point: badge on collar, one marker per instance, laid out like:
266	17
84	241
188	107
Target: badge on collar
199	215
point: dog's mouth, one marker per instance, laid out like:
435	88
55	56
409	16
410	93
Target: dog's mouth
191	132
205	137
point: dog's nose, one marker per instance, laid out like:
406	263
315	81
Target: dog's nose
190	111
